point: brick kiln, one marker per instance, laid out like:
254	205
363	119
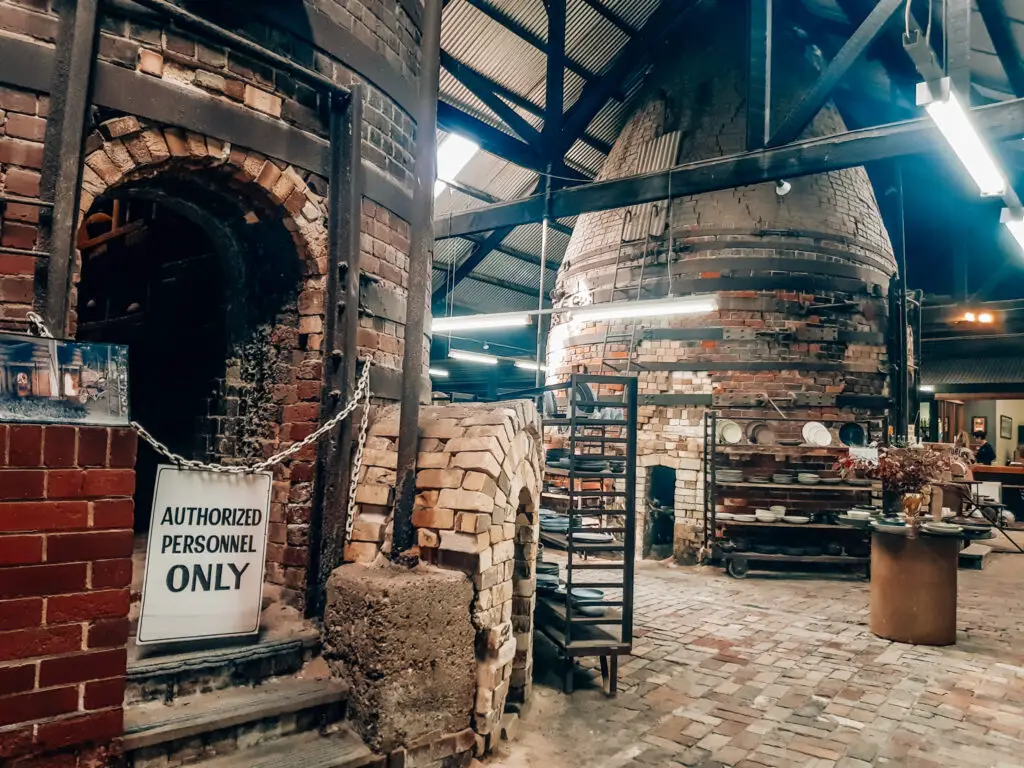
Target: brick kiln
799	280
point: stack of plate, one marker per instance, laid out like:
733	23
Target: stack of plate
764	516
745	518
796	519
816	433
554	523
729	475
587	464
546	568
783	478
778	509
808	478
584	537
617	465
758	479
724	516
859	481
547	582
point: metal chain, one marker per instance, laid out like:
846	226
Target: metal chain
357	463
362	392
37	326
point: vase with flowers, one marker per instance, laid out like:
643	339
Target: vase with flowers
905	471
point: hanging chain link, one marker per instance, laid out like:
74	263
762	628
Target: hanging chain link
360	397
357	462
37	326
362	393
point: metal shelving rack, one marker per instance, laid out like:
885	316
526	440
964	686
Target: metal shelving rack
600	627
737	563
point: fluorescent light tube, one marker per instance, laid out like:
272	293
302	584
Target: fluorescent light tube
1015	223
472	357
452	156
949	115
688	305
530	365
439	372
927	388
480	322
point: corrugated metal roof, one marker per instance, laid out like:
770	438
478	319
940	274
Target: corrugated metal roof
593	42
973	370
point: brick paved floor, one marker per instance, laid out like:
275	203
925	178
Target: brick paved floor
784	672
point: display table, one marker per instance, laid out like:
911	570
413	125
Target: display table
913	588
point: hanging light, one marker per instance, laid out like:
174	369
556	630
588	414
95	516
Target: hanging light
687	305
472	357
441	373
530	365
1014	222
944	107
480	322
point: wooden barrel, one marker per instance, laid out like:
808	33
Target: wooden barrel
913	588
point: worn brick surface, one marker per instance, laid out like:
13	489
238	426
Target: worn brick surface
784	672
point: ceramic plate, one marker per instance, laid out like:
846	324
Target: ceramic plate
729	432
815	433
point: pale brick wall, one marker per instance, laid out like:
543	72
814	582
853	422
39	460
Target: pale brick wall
478	483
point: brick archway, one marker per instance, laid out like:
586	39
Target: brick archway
276	366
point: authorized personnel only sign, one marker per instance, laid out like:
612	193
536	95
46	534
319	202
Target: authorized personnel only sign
204	561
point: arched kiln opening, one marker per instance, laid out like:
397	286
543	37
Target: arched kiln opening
194	279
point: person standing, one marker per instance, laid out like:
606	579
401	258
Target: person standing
985	453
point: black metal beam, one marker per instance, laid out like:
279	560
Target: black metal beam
74	63
481	88
957	38
488	137
998	26
497	142
341	316
515	253
804	158
508	285
421	249
479	194
519	30
815	98
612	16
479	252
634	54
759	74
889	49
554	81
520	101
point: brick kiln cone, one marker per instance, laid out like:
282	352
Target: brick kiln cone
765	258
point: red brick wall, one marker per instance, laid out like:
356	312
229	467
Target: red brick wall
65	567
22	124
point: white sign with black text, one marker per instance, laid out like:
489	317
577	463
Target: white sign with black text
205	557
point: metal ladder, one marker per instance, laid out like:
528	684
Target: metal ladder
630	338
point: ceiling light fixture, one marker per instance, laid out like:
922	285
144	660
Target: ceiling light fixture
687	305
1014	222
480	322
970	317
927	388
783	187
530	365
452	156
985	317
941	102
472	357
439	372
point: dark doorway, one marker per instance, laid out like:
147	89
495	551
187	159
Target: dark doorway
659	525
151	279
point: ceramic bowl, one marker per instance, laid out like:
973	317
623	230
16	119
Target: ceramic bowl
858	514
763	516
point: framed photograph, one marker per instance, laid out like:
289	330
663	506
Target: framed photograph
1005	427
66	382
979	424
